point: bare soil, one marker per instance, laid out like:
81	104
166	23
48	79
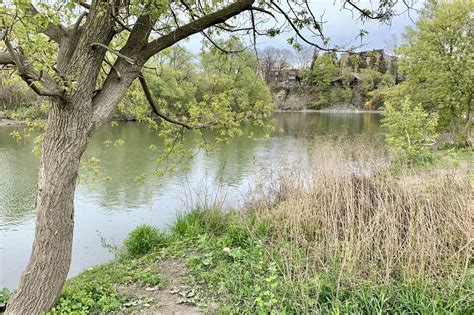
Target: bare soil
10	122
176	296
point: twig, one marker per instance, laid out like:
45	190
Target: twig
128	59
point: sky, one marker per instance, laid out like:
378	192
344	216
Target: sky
341	26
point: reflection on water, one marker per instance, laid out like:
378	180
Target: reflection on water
113	208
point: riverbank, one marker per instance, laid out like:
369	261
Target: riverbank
326	239
329	110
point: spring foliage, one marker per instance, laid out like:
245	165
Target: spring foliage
437	61
409	130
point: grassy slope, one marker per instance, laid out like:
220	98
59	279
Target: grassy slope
229	260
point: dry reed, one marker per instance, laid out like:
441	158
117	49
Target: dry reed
344	214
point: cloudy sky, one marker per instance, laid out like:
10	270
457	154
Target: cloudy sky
341	26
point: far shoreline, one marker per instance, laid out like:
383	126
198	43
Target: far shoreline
11	122
341	111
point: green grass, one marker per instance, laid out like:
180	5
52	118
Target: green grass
244	273
440	159
93	291
231	261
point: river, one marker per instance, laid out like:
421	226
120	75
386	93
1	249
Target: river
109	209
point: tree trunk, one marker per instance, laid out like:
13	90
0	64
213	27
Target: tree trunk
65	141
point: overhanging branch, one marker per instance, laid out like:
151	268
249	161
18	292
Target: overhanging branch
296	29
196	26
158	113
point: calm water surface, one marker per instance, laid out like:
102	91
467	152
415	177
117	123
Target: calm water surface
113	208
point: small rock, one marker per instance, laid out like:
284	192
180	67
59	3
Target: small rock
213	306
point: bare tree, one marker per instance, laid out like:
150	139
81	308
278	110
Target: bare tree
273	59
304	57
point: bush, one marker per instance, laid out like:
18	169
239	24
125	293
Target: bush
409	130
375	99
143	239
4	296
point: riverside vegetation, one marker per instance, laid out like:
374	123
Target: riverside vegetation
357	232
344	236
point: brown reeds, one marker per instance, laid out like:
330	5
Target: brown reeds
344	214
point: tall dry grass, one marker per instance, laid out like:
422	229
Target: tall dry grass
344	214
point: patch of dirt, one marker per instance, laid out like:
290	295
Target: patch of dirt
10	122
175	296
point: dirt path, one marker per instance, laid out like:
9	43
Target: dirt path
175	297
10	122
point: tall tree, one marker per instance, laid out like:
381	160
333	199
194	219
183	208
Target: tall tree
304	57
382	64
323	70
437	62
84	56
372	60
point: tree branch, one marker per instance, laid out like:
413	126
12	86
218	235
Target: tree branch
79	20
155	109
128	59
379	15
26	72
263	11
52	31
196	26
84	5
113	68
296	29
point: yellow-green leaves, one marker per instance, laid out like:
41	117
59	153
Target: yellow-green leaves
410	131
437	61
215	102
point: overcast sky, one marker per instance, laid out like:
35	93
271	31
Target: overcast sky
341	26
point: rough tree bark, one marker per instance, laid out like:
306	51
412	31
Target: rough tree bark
64	143
74	116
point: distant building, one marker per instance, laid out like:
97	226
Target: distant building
354	80
284	76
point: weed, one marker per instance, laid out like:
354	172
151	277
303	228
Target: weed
143	239
4	296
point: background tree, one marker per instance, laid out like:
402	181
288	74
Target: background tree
350	64
303	57
272	58
84	56
381	64
437	62
323	70
372	60
393	69
237	70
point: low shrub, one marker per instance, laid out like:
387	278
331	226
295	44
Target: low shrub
4	296
143	239
409	132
